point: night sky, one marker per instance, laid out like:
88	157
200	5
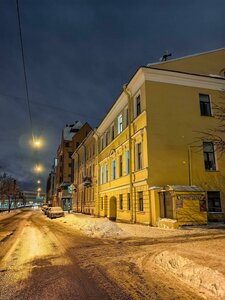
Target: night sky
78	56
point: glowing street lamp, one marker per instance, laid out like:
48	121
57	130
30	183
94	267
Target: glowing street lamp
38	168
39	181
37	143
39	189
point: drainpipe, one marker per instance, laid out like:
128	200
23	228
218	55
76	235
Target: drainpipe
97	172
132	198
189	165
83	200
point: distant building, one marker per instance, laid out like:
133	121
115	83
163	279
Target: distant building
83	187
72	136
31	197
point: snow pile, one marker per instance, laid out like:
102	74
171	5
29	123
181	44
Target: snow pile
103	228
196	275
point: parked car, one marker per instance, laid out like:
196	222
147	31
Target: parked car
55	212
43	207
46	210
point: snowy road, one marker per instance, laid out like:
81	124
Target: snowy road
45	259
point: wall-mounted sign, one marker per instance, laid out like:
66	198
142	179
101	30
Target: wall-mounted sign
190	197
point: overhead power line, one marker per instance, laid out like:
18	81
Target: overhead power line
56	107
24	69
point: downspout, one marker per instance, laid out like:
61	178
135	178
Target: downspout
189	165
83	200
132	198
97	172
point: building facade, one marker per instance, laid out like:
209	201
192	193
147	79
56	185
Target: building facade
150	140
83	187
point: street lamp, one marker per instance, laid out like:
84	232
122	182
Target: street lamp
38	181
38	168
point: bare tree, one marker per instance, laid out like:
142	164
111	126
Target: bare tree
216	135
9	190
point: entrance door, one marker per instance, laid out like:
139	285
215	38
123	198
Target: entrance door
166	205
67	203
112	208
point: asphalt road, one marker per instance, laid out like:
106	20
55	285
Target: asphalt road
42	259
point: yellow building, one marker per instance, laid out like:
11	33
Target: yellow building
84	178
149	140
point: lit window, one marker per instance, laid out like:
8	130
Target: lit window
138	157
138	105
106	173
127	162
209	156
214	203
120	165
120	123
102	175
140	201
114	169
205	106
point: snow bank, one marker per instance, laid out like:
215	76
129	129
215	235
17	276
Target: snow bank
196	275
103	228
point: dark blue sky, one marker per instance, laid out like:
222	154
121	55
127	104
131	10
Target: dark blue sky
78	56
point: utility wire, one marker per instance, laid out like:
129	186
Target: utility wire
41	104
24	69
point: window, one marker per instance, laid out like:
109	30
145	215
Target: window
120	165
77	144
120	123
121	201
126	117
112	133
102	175
106	173
127	162
69	165
138	105
138	157
140	201
214	203
67	144
114	169
128	201
101	203
205	107
106	138
102	143
209	156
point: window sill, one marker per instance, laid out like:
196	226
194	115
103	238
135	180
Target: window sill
215	212
210	171
140	212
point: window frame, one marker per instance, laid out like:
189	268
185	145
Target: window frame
215	208
120	123
137	105
121	201
205	106
106	173
140	201
138	157
113	169
211	158
127	162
